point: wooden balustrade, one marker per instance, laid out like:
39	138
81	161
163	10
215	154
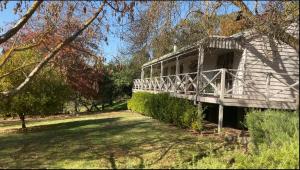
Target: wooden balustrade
237	84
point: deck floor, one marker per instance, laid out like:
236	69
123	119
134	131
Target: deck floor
230	101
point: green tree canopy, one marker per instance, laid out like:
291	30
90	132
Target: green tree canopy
46	95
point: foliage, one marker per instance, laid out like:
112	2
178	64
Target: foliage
167	109
229	25
274	157
123	71
162	44
270	157
275	135
272	126
44	96
62	27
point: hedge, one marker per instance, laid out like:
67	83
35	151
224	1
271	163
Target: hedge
168	109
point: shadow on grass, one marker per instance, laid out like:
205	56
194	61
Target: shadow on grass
103	141
117	106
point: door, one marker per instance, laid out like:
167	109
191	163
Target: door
225	60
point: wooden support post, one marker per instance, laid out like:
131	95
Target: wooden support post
150	80
220	122
199	107
142	73
151	71
221	99
177	72
161	75
177	66
161	69
199	70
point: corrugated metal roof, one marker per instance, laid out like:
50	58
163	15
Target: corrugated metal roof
215	41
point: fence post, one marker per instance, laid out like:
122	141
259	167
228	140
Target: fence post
221	99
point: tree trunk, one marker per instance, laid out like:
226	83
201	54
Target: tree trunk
22	118
76	106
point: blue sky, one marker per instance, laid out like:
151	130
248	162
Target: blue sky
114	43
7	16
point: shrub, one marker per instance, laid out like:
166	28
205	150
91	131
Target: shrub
275	135
272	126
168	109
269	157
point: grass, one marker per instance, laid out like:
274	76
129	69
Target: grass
107	140
116	106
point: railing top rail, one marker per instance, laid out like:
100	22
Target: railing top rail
265	72
215	70
228	70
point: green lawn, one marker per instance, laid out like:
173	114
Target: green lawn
105	140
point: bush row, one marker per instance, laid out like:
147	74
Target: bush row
167	109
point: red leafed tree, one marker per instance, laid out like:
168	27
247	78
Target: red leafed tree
65	26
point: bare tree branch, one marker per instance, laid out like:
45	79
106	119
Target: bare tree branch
243	7
17	69
21	22
7	56
256	7
114	8
52	54
281	34
9	53
30	46
85	51
216	6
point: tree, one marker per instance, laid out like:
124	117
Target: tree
231	24
123	71
46	95
4	37
152	29
86	80
52	16
276	17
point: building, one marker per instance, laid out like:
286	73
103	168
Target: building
242	70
